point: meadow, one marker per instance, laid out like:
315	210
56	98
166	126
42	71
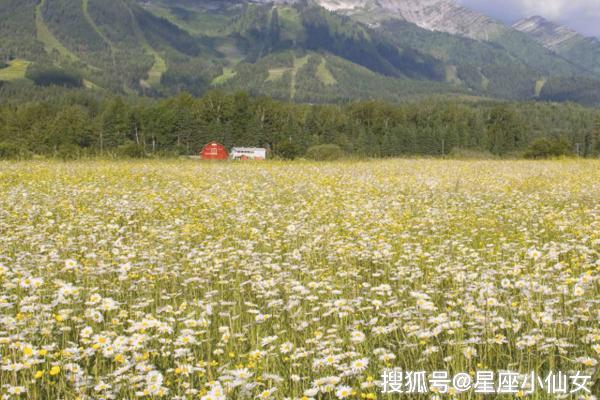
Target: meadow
183	279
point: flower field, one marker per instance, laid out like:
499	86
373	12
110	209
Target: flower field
191	280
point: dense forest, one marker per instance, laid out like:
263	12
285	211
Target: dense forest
70	123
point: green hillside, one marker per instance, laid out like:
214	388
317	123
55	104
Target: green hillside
509	66
297	52
585	51
317	77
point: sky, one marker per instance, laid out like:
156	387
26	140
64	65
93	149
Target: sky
581	15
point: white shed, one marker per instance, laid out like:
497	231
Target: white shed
248	153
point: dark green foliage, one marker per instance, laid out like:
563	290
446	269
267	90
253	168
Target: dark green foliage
352	81
18	31
509	82
507	66
68	151
70	128
593	142
537	57
287	150
73	124
164	35
66	20
324	152
11	151
584	51
193	76
48	75
114	19
363	46
506	130
130	149
274	29
485	67
582	90
547	147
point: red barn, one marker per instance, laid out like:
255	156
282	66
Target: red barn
214	151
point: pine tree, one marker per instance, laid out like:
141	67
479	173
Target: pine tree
115	125
596	138
505	130
274	30
69	131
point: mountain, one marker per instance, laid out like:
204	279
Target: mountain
299	50
437	15
159	48
449	17
547	33
566	42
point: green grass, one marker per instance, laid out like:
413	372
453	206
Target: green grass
299	63
452	75
198	23
276	74
50	42
539	86
158	69
90	85
485	82
16	70
228	73
324	75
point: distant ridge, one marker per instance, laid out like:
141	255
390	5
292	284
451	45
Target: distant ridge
565	41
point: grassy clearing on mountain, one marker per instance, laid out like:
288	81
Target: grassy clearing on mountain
51	43
452	75
298	64
324	75
158	69
485	82
228	73
160	64
276	74
194	21
539	86
15	70
91	22
90	85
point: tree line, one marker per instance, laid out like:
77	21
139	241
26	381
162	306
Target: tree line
76	124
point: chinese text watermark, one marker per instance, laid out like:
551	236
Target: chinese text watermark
484	382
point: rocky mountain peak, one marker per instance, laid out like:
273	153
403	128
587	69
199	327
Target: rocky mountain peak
436	15
548	33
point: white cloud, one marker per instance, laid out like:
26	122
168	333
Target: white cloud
560	8
582	15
